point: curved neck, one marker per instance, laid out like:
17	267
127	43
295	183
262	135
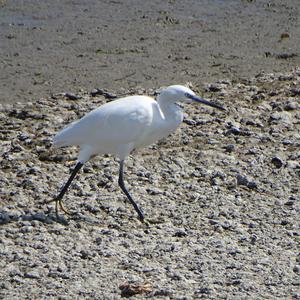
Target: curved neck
170	108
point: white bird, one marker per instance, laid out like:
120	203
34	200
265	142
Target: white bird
124	125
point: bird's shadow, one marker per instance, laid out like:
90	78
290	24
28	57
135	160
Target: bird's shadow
46	218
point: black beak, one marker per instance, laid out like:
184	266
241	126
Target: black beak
203	101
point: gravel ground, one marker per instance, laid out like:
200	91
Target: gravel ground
221	198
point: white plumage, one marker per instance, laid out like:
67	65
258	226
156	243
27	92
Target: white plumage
120	126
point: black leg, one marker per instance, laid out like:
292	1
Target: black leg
122	186
58	199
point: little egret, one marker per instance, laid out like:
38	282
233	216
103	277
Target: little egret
124	125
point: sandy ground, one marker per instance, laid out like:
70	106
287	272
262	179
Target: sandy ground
221	195
64	46
221	198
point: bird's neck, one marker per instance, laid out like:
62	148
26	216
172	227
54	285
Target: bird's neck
170	110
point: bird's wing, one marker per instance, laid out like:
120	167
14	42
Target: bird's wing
121	121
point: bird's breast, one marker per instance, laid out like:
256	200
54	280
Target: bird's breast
160	127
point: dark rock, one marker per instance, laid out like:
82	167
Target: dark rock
203	290
296	269
72	96
252	185
295	92
162	293
277	162
154	191
286	55
242	180
107	95
4	218
289	106
233	130
230	148
180	233
214	88
189	122
32	275
19	114
84	254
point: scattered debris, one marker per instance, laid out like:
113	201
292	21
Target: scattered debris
131	289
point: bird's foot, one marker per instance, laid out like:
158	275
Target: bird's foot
58	203
141	216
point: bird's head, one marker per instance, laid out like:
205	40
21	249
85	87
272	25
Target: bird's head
177	93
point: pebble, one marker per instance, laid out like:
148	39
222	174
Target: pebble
32	275
4	218
230	148
107	95
233	130
295	92
290	106
154	191
215	87
180	233
72	96
243	180
277	162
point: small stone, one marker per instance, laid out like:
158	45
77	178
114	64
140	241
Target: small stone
95	92
287	142
295	92
72	96
154	191
218	174
285	55
252	151
190	122
252	185
162	292
4	218
84	254
242	180
204	290
22	137
107	95
214	88
258	96
32	275
277	162
180	233
176	276
233	130
214	222
98	240
290	106
296	269
229	148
